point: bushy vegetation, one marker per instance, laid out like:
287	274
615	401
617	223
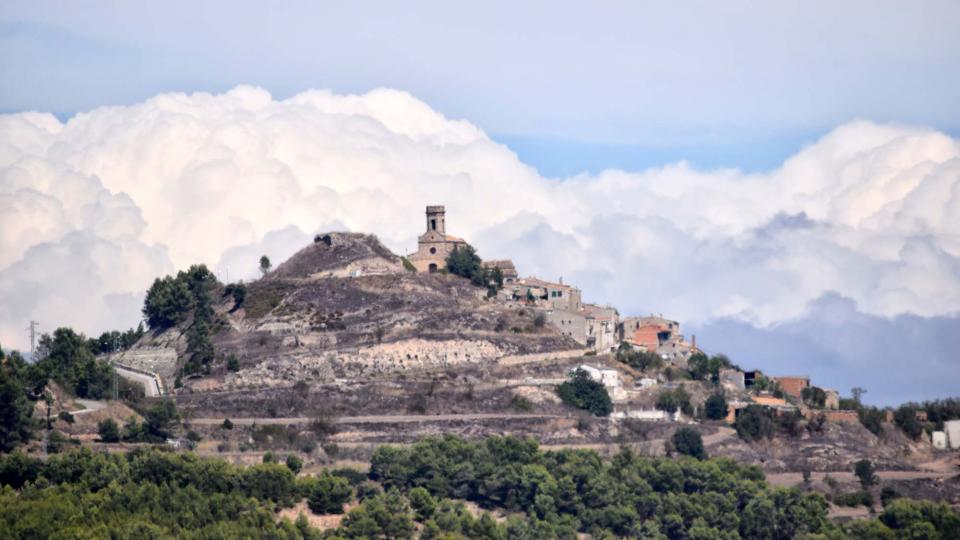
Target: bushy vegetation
641	360
814	396
675	400
715	407
66	358
706	368
687	441
114	341
143	494
583	392
171	301
756	422
150	493
568	491
463	261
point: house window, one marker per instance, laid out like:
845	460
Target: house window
433	224
433	251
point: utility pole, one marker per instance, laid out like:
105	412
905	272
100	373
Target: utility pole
116	381
33	339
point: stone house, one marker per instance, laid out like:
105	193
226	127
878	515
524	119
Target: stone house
793	386
568	323
435	244
506	267
547	294
601	327
658	335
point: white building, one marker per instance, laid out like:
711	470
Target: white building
650	415
952	428
607	377
939	439
647	382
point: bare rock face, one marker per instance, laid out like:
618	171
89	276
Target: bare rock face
339	254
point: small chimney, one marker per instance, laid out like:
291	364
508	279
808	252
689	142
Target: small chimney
694	339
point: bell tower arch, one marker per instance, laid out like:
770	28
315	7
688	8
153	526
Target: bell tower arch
436	219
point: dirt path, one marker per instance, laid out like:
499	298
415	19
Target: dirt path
376	419
794	478
89	406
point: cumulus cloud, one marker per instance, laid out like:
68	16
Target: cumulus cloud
93	209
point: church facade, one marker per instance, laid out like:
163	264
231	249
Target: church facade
435	244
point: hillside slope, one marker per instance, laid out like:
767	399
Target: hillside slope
344	307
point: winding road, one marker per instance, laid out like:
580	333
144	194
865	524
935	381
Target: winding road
149	383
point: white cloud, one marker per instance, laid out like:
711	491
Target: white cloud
93	209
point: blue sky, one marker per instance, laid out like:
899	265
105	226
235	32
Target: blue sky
783	177
570	87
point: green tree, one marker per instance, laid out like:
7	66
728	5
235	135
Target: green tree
109	431
66	358
905	417
864	470
463	261
328	494
168	303
583	392
382	516
687	441
422	503
16	410
161	418
264	264
755	423
294	463
814	396
715	407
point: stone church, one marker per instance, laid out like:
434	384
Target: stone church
434	245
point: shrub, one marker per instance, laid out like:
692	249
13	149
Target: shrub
687	441
227	424
675	400
755	423
814	396
854	498
715	408
905	418
521	404
887	495
872	419
641	360
540	320
294	463
109	431
585	393
66	417
408	266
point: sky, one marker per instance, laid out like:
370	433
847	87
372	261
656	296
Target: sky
781	177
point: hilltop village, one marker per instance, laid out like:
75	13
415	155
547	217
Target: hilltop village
346	352
601	330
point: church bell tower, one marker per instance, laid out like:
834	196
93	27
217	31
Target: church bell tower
436	220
